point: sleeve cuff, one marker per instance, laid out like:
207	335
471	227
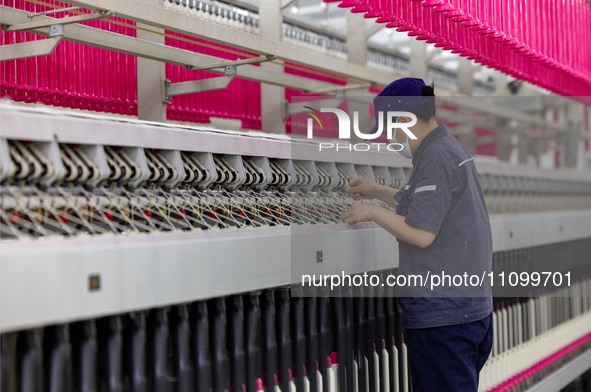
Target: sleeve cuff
421	225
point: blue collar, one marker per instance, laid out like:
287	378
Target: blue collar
436	133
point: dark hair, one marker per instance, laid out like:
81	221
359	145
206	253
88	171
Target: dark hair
427	111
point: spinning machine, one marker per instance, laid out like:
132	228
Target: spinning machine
141	256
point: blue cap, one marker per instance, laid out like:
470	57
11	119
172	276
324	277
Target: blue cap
400	95
405	87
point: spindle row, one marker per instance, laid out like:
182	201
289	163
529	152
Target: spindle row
544	54
351	339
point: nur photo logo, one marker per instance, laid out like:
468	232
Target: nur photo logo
387	121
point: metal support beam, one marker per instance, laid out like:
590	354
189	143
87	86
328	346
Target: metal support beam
357	54
373	29
197	86
524	148
160	17
286	3
63	21
352	87
151	75
504	143
356	39
149	50
573	136
24	50
223	64
272	97
418	59
54	11
465	76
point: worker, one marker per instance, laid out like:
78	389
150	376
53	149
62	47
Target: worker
442	226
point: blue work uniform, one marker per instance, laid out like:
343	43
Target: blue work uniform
449	329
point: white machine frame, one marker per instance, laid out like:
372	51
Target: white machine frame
45	281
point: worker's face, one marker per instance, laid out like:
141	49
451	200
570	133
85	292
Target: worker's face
399	135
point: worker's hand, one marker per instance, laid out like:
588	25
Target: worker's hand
362	188
358	213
